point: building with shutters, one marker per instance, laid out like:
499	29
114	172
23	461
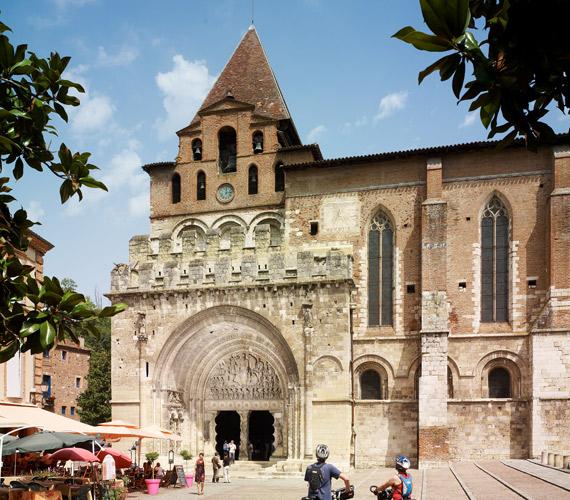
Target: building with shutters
411	302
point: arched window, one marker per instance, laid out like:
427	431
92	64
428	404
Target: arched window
176	189
196	149
252	180
380	270
201	186
257	142
449	383
494	262
370	385
228	149
500	383
279	178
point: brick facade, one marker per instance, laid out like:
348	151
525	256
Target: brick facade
280	280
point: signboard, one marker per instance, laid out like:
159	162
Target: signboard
179	478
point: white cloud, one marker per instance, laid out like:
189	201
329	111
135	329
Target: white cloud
92	115
139	204
468	120
391	103
124	170
35	211
315	133
184	87
349	126
125	55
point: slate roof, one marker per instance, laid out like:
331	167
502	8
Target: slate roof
248	77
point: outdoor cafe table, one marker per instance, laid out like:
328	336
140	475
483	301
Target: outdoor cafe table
21	494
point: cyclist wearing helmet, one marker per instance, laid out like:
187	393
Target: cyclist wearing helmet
320	473
401	483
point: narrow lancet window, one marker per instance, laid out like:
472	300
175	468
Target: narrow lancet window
252	180
176	189
380	271
494	262
201	186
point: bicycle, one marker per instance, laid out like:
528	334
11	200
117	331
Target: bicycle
381	495
340	494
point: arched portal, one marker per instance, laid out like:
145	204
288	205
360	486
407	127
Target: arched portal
230	359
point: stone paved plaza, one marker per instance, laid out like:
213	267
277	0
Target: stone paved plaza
510	479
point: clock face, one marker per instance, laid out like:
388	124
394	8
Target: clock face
225	193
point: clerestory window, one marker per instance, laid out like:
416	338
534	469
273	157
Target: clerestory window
494	262
380	271
176	189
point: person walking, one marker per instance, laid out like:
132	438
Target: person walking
225	447
232	450
227	463
200	474
217	467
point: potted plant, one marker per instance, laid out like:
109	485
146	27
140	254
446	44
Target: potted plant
152	484
186	455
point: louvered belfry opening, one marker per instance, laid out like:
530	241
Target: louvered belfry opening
380	271
495	262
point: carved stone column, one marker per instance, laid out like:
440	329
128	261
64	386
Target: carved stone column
278	431
308	330
243	434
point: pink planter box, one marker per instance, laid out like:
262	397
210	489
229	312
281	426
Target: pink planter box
189	480
152	486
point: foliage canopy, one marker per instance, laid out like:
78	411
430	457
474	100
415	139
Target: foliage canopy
35	315
520	70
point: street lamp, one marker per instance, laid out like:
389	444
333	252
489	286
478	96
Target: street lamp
133	451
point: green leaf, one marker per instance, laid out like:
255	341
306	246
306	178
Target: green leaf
112	310
430	69
422	41
458	78
18	169
47	334
92	183
28	329
446	18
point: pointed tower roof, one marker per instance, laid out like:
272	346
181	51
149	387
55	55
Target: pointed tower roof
248	77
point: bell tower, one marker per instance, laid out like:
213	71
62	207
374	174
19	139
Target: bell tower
231	154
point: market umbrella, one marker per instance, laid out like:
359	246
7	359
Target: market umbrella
161	433
8	438
122	461
74	454
44	441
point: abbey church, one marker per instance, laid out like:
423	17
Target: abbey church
411	302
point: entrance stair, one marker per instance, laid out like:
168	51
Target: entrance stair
273	468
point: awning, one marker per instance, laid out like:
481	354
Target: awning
30	415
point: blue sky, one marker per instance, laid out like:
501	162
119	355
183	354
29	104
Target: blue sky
147	65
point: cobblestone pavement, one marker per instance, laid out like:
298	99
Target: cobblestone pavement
482	480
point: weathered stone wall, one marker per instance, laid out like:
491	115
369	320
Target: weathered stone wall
385	429
494	429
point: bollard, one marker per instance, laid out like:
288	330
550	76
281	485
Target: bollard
558	460
566	462
544	458
551	459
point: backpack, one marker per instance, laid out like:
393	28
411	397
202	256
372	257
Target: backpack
406	485
315	477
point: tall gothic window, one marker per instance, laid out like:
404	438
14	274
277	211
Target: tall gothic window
176	189
201	186
499	383
494	262
380	271
252	180
228	149
279	178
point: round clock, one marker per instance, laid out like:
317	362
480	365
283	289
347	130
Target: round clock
225	193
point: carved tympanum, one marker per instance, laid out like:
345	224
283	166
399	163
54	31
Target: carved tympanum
243	376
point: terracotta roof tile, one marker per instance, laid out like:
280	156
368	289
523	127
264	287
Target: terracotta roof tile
249	78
